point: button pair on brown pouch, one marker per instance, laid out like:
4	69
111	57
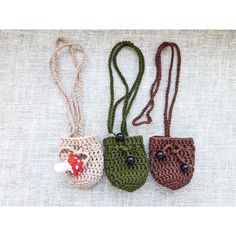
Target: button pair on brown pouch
171	159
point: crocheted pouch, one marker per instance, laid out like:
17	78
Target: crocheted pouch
125	158
86	150
118	162
171	159
81	157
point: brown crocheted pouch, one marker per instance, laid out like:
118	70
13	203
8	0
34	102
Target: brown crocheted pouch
172	160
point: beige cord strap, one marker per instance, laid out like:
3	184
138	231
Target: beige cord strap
74	100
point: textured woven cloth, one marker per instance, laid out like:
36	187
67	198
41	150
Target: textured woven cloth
33	116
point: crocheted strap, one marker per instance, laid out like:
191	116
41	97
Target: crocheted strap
130	94
74	99
155	86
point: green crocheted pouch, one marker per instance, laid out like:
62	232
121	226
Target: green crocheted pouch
125	159
126	163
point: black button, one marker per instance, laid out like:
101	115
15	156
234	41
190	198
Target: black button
120	137
131	160
160	155
185	168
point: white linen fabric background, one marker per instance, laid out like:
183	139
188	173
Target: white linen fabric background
33	115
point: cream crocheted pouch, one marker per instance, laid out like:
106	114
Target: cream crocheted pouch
81	157
88	150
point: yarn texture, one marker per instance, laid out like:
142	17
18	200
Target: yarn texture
92	152
172	160
125	159
81	157
176	153
119	172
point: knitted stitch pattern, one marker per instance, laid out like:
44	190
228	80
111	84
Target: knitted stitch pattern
120	174
176	153
93	169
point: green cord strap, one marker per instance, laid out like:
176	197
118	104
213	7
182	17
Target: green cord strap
130	94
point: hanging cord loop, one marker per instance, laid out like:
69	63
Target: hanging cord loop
155	87
74	100
130	94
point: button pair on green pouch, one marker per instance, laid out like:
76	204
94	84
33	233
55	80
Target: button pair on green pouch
125	159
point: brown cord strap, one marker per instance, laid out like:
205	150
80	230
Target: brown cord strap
156	84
